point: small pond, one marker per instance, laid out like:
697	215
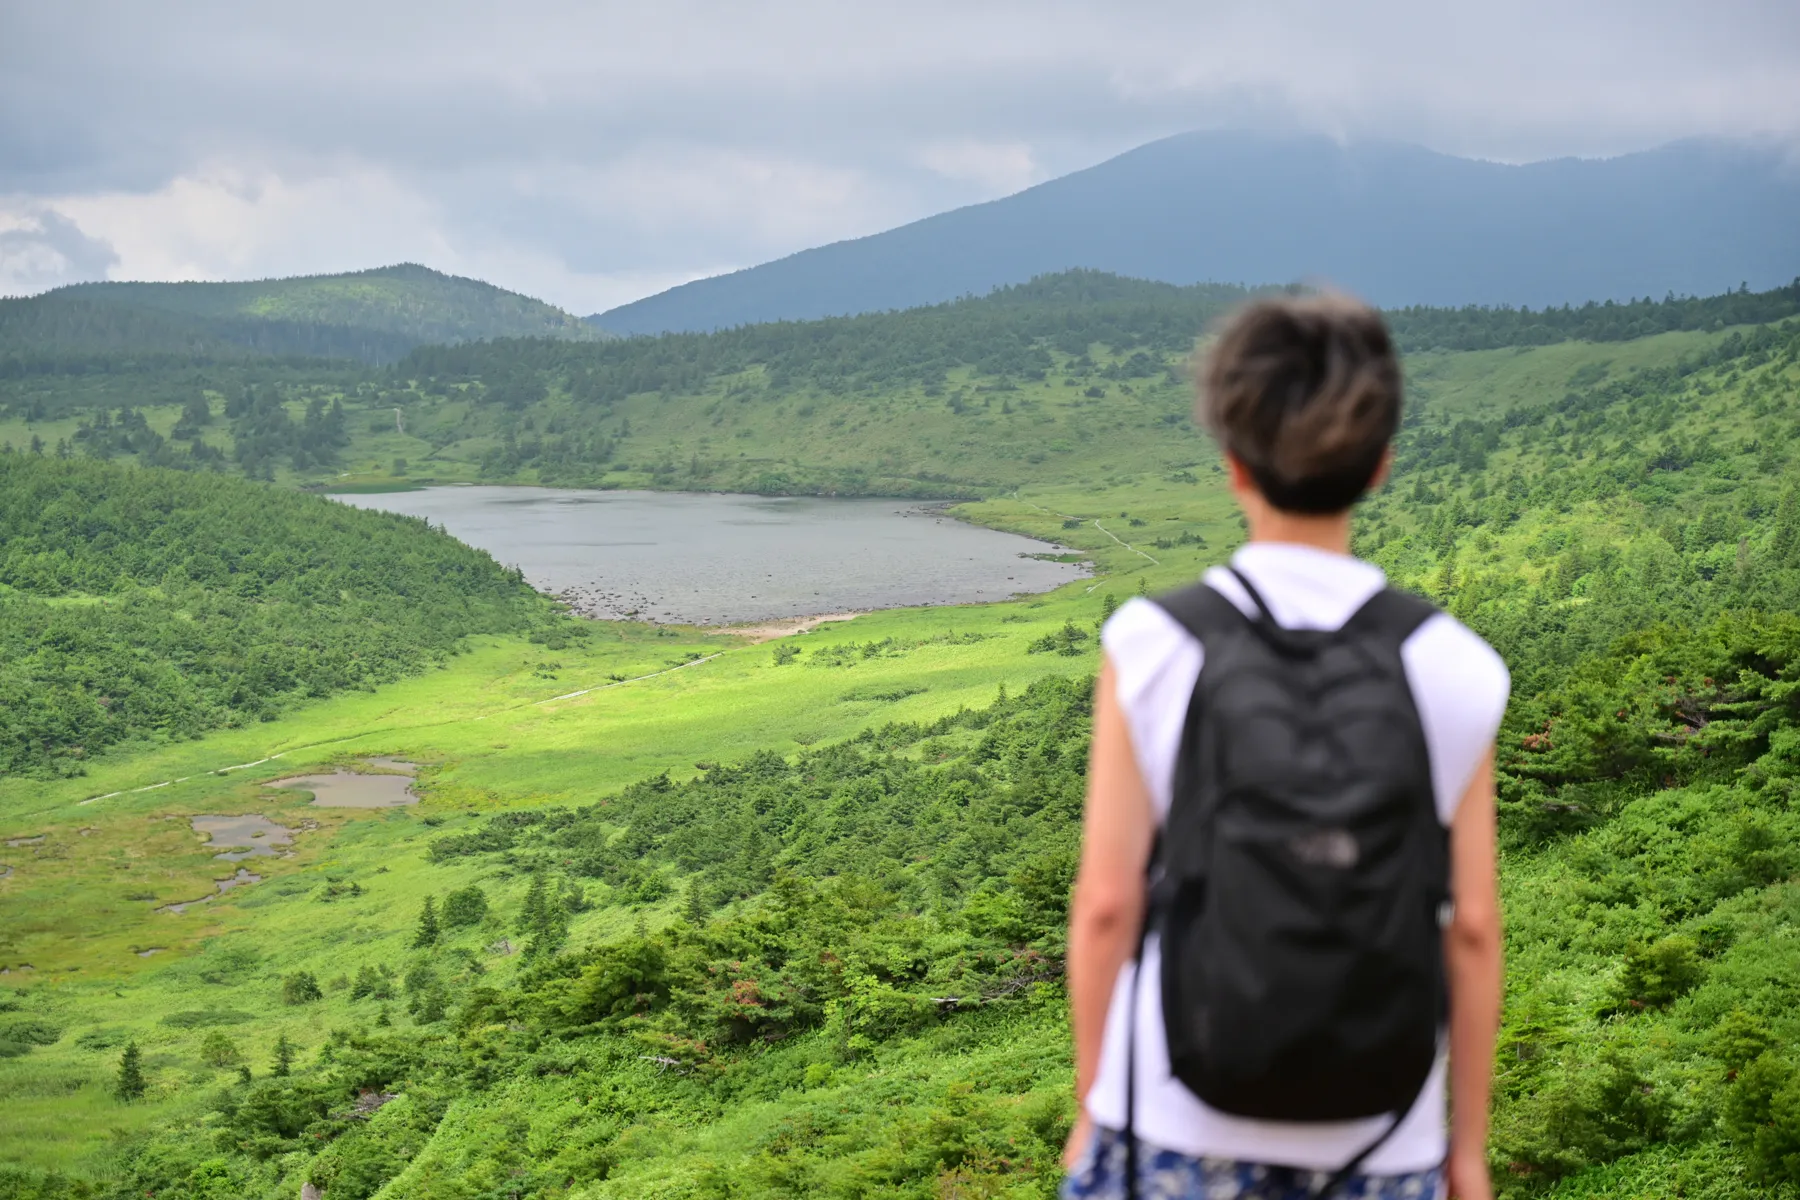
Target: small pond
356	789
721	559
248	835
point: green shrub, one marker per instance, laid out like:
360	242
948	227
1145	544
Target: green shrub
17	1037
465	906
300	987
371	984
1660	973
1762	1115
218	1050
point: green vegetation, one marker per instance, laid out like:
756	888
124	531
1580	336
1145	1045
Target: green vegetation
131	1085
1076	379
159	604
788	920
370	316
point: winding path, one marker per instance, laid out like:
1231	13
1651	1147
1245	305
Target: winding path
1096	524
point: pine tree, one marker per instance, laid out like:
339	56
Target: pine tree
531	915
544	920
1443	584
284	1057
427	934
1785	542
697	908
131	1084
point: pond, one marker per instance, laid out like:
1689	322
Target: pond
246	835
721	559
358	789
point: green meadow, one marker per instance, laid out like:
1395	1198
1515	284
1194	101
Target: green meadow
489	733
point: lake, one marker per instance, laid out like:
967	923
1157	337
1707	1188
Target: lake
722	559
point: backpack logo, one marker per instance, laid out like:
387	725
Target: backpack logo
1325	848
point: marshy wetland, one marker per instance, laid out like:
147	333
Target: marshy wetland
390	785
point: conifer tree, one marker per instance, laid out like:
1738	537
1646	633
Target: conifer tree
543	920
697	909
284	1057
131	1084
537	896
427	934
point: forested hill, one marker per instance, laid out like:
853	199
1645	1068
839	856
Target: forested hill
1400	224
149	605
969	398
371	316
1008	332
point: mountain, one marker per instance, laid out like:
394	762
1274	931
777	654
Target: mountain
1399	224
373	316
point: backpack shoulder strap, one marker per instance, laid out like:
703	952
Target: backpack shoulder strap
1390	616
1200	610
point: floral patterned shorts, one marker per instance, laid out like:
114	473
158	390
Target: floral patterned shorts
1166	1175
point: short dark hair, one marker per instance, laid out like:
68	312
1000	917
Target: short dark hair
1305	391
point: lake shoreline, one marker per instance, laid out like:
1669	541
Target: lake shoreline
722	560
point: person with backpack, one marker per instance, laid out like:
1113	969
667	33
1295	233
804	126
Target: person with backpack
1284	939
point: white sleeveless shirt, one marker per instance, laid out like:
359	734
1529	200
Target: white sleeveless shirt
1459	686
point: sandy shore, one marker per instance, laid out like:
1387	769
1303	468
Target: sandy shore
764	631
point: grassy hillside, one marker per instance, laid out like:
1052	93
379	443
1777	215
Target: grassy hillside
155	605
772	920
371	316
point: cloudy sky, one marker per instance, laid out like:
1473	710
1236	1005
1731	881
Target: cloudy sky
594	152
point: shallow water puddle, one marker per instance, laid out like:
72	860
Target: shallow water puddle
243	876
353	789
254	834
26	841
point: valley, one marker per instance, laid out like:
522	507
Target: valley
785	917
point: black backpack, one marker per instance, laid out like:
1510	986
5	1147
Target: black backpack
1301	881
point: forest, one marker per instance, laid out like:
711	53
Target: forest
834	968
151	604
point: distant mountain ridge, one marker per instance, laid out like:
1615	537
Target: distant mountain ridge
373	316
1399	224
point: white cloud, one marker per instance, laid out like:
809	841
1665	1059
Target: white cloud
1000	168
40	248
223	221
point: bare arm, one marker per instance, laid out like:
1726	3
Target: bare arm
1472	955
1108	905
